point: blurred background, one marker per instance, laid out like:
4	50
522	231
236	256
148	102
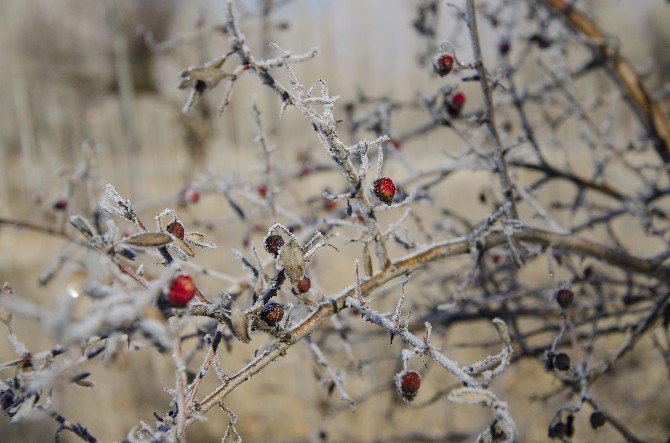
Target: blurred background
74	71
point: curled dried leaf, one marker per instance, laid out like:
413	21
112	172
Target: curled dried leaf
198	239
239	324
148	239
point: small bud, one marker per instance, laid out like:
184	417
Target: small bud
408	384
384	189
455	103
562	361
177	229
443	64
60	204
564	298
273	243
304	284
597	419
181	291
272	313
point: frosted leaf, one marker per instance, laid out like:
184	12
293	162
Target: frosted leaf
292	260
148	239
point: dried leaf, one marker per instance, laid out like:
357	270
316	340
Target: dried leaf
367	260
239	324
210	76
184	247
148	239
503	333
292	260
198	239
82	225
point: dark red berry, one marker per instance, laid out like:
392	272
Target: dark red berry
191	195
304	284
548	361
570	426
273	243
564	298
455	103
60	204
562	361
181	291
177	229
504	46
384	189
262	191
597	419
443	64
408	385
272	313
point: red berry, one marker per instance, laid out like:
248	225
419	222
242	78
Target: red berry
455	103
273	243
329	205
443	63
397	144
564	298
272	313
384	189
181	291
191	195
60	204
304	284
177	229
262	191
408	385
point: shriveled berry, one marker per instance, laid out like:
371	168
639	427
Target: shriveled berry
408	384
564	298
272	313
181	291
6	399
455	103
570	426
548	361
384	189
175	228
304	284
60	204
562	361
443	64
273	243
597	419
557	430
